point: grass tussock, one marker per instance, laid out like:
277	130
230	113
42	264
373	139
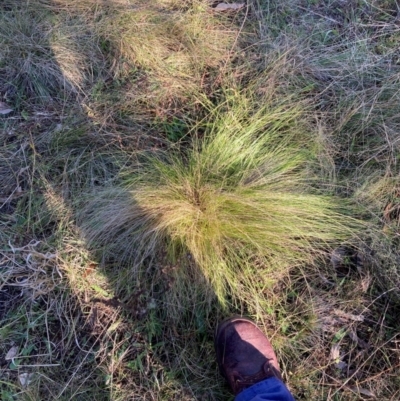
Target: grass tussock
174	51
242	197
27	62
108	97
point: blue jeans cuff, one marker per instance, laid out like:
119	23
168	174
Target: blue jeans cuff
271	389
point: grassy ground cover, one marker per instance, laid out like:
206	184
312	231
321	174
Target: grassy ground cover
164	165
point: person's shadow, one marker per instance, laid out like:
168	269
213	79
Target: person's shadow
99	331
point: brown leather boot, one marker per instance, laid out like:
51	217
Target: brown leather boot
244	354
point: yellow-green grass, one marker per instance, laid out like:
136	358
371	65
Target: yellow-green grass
94	98
240	201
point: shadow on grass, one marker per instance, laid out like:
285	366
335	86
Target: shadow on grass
75	326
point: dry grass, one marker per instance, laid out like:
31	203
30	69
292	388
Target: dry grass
95	85
40	60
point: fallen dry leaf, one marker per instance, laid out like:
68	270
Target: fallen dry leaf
229	6
337	358
12	353
335	352
348	316
25	379
90	269
5	109
362	391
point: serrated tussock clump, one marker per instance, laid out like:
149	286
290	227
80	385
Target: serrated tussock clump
240	202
